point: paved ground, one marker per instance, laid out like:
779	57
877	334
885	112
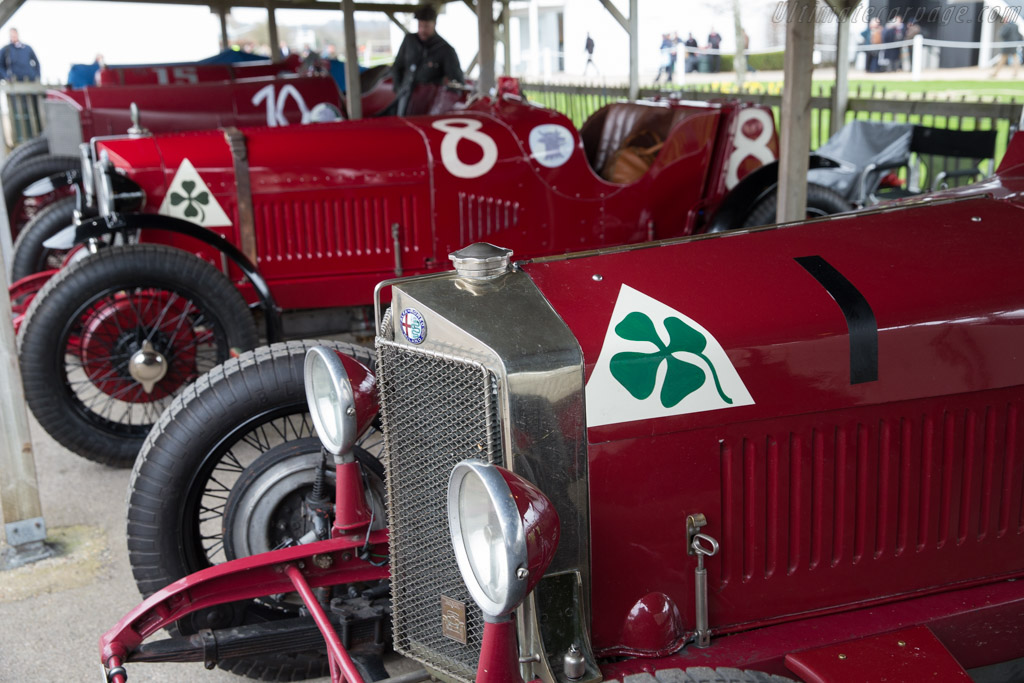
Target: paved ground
52	613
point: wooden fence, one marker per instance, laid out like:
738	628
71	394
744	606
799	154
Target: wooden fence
22	107
958	113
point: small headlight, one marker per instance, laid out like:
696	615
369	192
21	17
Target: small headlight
87	175
330	399
504	532
104	185
484	539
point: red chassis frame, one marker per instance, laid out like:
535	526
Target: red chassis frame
301	568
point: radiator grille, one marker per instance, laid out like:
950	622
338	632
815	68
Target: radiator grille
437	411
63	128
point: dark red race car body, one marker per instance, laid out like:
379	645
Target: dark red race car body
841	400
339	208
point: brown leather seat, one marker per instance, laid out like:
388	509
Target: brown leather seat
604	132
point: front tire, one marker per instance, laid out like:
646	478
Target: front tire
212	458
20	209
35	147
821	201
30	256
82	337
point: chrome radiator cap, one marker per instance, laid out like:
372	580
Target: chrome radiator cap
481	260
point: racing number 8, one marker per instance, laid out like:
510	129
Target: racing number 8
749	147
456	130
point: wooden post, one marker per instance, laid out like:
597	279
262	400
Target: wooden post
534	19
841	90
740	60
795	124
353	94
24	526
485	32
222	14
917	57
634	50
275	43
506	21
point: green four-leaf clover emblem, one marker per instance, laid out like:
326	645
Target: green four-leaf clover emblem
638	372
195	204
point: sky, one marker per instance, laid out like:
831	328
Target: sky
63	33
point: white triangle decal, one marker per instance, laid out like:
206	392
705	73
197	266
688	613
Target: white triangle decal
657	362
190	199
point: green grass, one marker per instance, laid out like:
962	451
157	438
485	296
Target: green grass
1002	91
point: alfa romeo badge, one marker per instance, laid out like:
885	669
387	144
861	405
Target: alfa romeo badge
414	327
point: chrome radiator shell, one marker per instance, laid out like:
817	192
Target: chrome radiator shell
498	376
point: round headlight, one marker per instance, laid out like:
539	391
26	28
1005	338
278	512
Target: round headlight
330	399
504	533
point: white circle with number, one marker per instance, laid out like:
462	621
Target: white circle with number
455	131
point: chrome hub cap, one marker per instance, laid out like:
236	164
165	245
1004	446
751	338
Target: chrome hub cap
147	366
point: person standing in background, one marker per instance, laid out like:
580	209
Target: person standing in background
666	59
691	60
1008	33
589	48
18	61
423	58
715	43
893	34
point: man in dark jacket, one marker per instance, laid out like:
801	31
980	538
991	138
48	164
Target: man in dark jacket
424	57
18	61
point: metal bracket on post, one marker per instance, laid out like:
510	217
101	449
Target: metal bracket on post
25	539
694	523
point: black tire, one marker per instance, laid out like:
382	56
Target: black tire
203	450
187	310
821	201
37	146
30	256
707	674
28	172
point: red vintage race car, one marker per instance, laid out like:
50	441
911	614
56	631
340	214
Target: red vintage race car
783	454
314	217
191	73
77	116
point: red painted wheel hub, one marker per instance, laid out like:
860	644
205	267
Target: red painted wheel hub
115	331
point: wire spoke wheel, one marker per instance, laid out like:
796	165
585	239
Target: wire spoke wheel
223	475
109	341
203	515
126	353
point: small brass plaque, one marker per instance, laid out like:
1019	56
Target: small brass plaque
453	619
